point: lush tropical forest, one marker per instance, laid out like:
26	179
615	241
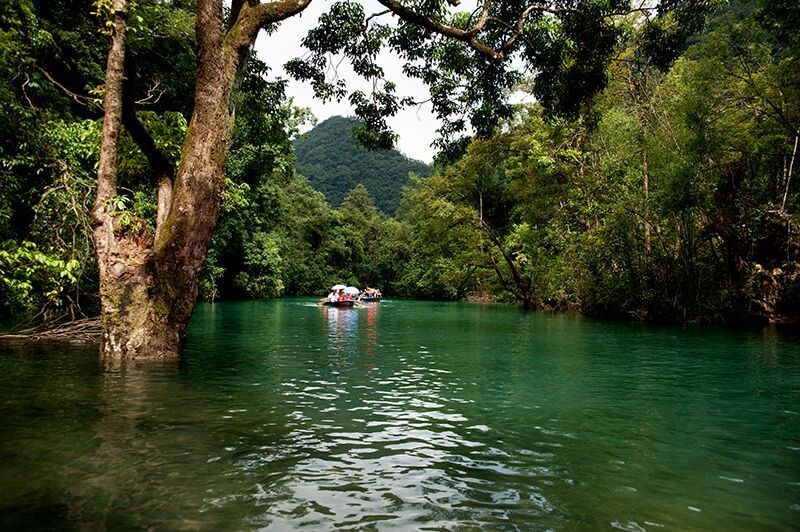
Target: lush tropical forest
591	296
668	193
334	163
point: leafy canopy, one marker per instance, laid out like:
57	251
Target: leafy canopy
472	61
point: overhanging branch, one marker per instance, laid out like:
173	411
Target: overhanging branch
470	36
440	27
255	16
276	11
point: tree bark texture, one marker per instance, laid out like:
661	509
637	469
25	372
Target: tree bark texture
148	283
123	256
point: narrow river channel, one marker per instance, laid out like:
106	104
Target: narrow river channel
412	415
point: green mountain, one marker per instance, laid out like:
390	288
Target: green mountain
334	164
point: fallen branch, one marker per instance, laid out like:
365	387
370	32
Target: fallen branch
83	330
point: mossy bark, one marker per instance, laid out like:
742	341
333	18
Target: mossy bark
134	325
148	284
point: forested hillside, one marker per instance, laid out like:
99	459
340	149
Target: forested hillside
334	164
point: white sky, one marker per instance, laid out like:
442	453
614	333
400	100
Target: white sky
416	126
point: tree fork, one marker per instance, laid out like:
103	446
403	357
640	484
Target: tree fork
158	162
148	285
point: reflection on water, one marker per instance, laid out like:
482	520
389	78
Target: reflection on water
342	324
408	415
394	448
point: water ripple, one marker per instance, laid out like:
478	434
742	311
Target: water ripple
409	415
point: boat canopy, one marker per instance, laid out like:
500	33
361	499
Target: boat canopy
338	287
351	290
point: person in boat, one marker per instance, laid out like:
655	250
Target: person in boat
332	297
369	293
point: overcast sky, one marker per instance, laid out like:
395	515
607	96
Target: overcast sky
416	126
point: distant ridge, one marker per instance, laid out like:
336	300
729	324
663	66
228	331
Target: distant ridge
334	164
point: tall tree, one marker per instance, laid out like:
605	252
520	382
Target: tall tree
148	283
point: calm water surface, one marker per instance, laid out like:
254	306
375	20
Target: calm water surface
411	415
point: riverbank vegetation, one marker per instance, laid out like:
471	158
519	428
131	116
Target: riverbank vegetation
670	195
670	198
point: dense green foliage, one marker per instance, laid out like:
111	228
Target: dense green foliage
334	163
473	60
670	195
51	84
673	199
45	142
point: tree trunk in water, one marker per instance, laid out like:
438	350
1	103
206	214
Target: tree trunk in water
124	255
148	286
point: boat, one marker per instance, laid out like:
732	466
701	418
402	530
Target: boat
371	295
341	296
344	303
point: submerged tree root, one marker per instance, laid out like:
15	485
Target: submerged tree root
85	330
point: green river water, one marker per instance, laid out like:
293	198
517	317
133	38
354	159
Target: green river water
409	415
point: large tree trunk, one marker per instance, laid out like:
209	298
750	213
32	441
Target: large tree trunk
148	284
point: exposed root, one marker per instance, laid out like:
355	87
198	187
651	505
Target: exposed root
85	330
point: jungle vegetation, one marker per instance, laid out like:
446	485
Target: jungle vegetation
653	176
